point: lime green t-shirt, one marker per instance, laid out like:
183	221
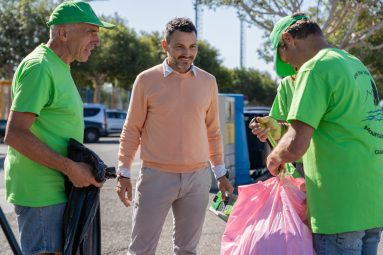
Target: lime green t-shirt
336	95
282	101
44	86
281	105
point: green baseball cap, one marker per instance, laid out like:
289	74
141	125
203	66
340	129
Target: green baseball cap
283	69
70	12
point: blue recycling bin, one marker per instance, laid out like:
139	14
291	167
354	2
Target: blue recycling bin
242	162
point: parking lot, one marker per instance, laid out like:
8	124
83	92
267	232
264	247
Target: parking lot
116	219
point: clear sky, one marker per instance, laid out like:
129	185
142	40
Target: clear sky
221	28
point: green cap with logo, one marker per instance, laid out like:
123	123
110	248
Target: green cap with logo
283	69
71	12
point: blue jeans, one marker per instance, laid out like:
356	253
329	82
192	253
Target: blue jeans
40	228
363	242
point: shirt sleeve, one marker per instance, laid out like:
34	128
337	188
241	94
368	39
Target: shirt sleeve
276	112
32	90
135	120
213	129
311	98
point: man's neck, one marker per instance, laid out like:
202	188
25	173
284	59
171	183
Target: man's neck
60	50
312	45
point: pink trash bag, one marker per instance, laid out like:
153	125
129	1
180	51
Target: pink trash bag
267	219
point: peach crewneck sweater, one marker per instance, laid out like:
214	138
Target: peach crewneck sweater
175	119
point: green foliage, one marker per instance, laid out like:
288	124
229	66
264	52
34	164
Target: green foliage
208	59
122	55
152	42
373	59
259	87
354	25
22	28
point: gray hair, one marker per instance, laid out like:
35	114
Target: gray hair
53	29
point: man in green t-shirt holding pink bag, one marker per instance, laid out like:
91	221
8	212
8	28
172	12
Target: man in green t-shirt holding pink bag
336	125
46	111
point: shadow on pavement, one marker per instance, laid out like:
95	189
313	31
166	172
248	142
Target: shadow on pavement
114	141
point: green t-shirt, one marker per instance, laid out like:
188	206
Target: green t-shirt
282	102
44	86
336	95
281	105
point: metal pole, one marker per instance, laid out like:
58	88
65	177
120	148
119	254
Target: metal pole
9	234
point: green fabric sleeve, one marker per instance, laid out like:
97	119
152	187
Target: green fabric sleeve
311	99
32	91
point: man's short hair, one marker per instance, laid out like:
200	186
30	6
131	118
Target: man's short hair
303	28
298	26
179	24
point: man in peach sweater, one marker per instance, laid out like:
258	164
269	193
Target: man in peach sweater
173	115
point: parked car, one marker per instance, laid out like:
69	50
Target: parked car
115	119
93	131
3	125
95	121
257	149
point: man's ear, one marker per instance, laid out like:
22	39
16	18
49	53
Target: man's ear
287	39
164	45
62	33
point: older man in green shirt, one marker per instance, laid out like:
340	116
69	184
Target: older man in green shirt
46	111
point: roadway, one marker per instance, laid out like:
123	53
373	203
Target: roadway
116	219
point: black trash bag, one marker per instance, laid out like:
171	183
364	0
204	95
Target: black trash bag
82	222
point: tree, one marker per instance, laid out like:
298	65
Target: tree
341	20
208	59
118	60
22	28
373	59
122	55
259	87
353	25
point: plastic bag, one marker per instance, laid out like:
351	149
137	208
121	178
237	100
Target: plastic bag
82	223
268	218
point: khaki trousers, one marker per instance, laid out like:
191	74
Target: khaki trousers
156	192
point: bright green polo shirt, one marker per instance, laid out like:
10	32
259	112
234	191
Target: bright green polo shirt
44	86
336	95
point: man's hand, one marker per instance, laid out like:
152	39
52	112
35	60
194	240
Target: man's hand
273	163
24	141
262	126
80	174
224	186
124	190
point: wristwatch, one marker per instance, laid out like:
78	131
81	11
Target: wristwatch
227	173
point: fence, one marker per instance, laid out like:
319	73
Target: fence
112	98
5	99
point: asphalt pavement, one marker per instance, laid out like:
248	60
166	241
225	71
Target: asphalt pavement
116	219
